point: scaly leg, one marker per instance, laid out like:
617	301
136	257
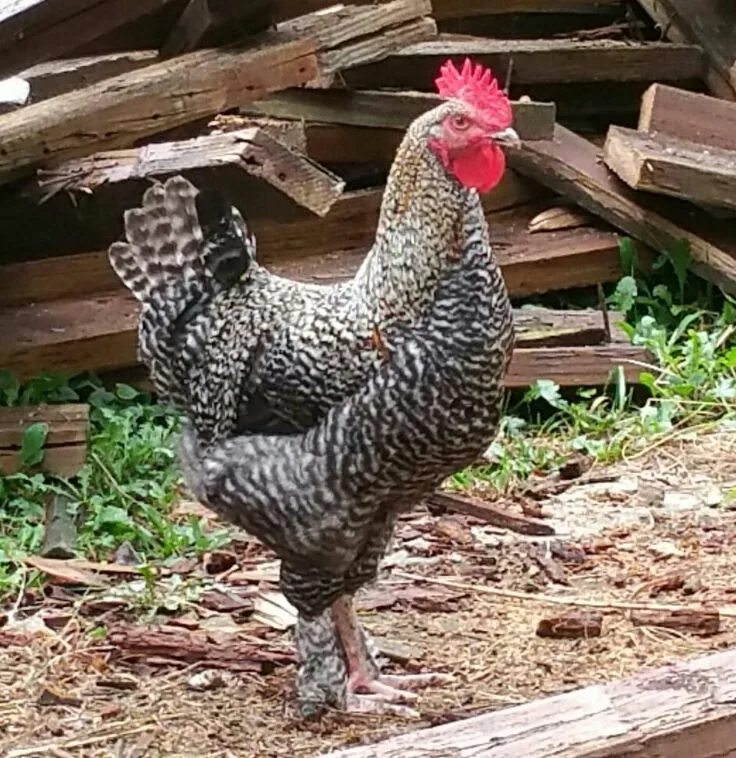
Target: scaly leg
363	674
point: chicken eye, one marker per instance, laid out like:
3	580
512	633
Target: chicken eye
460	122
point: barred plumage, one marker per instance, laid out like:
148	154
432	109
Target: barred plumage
244	352
319	498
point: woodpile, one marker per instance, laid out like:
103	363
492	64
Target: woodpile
295	110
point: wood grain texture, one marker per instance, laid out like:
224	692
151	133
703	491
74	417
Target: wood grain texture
689	116
670	166
683	711
708	23
253	151
32	31
388	110
193	86
535	61
66	441
98	333
572	166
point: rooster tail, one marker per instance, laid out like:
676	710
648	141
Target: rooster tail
181	239
163	240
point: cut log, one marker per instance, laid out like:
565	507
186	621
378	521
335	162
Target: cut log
490	513
98	333
571	165
670	166
190	87
703	622
689	116
571	625
535	61
683	711
65	448
388	110
708	23
33	31
251	150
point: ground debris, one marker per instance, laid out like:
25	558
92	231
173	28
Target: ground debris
703	622
571	625
490	513
177	644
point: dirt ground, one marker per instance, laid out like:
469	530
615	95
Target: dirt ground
657	529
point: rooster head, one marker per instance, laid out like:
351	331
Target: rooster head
471	127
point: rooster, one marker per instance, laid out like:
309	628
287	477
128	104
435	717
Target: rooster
241	351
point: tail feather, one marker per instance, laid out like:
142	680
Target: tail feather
163	240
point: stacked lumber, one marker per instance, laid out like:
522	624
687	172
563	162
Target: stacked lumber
295	111
685	147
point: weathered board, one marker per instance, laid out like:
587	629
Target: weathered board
669	166
572	166
65	449
683	711
689	116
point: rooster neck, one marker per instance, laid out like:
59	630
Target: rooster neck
419	230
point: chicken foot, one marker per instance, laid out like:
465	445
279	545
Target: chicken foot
367	688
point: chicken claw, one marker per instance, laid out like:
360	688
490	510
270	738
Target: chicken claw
378	705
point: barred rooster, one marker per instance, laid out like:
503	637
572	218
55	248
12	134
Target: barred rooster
320	469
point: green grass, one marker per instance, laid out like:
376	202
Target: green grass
126	490
123	493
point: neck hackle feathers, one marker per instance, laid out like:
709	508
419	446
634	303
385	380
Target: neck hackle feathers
476	86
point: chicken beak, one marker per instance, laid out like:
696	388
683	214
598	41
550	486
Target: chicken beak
506	138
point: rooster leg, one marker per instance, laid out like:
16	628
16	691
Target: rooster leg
363	674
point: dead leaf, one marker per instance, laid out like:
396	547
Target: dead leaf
666	549
210	679
559	217
575	467
454	529
218	623
219	561
52	696
225	602
65	572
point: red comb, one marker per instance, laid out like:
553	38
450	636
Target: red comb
476	86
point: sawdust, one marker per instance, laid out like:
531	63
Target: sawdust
67	693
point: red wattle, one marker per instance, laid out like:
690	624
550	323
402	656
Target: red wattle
480	167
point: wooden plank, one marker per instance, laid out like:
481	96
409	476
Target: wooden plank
251	150
535	61
709	24
689	116
388	110
447	9
98	333
66	440
32	31
73	221
669	166
572	166
56	77
330	249
686	710
171	93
